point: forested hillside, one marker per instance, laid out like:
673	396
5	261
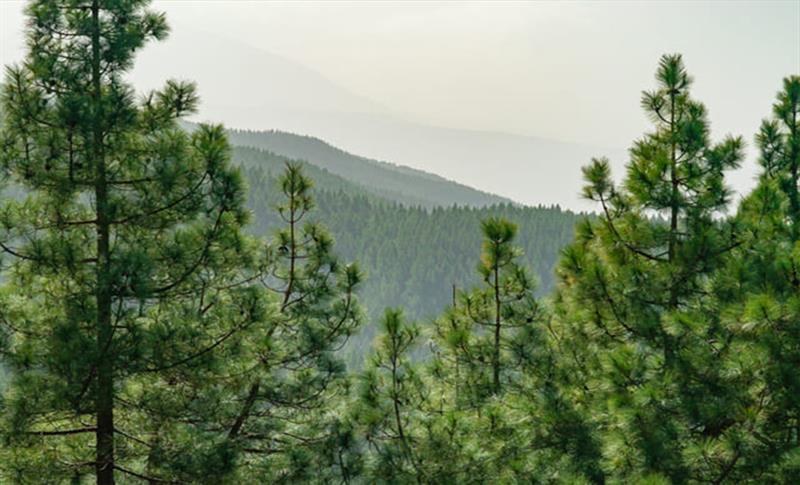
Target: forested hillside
441	243
411	256
397	183
269	164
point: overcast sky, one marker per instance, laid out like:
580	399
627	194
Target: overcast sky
566	71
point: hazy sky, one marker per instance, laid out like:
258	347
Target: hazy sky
557	70
566	71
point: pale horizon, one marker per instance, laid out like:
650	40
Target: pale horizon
567	72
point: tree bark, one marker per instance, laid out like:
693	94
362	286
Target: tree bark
497	324
104	399
246	409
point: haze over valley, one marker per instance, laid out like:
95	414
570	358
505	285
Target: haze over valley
506	101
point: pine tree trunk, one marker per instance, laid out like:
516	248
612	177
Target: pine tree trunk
105	366
398	419
252	396
496	356
673	225
292	253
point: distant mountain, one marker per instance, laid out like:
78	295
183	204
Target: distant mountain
391	182
528	170
285	95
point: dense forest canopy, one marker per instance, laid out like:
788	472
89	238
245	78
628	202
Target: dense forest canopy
176	309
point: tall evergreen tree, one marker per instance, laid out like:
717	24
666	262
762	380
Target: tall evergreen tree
483	349
292	382
641	345
760	295
122	291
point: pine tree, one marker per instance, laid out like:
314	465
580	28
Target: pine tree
291	382
640	342
486	350
779	143
122	293
479	334
759	291
390	400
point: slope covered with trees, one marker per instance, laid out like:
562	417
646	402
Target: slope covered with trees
153	335
411	256
393	182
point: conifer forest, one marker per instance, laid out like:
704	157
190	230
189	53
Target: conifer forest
186	303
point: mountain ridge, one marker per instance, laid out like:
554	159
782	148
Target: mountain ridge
295	98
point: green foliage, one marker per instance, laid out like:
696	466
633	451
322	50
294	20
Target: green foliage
484	407
635	309
412	257
483	329
145	337
122	259
390	396
477	372
288	381
779	144
759	292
